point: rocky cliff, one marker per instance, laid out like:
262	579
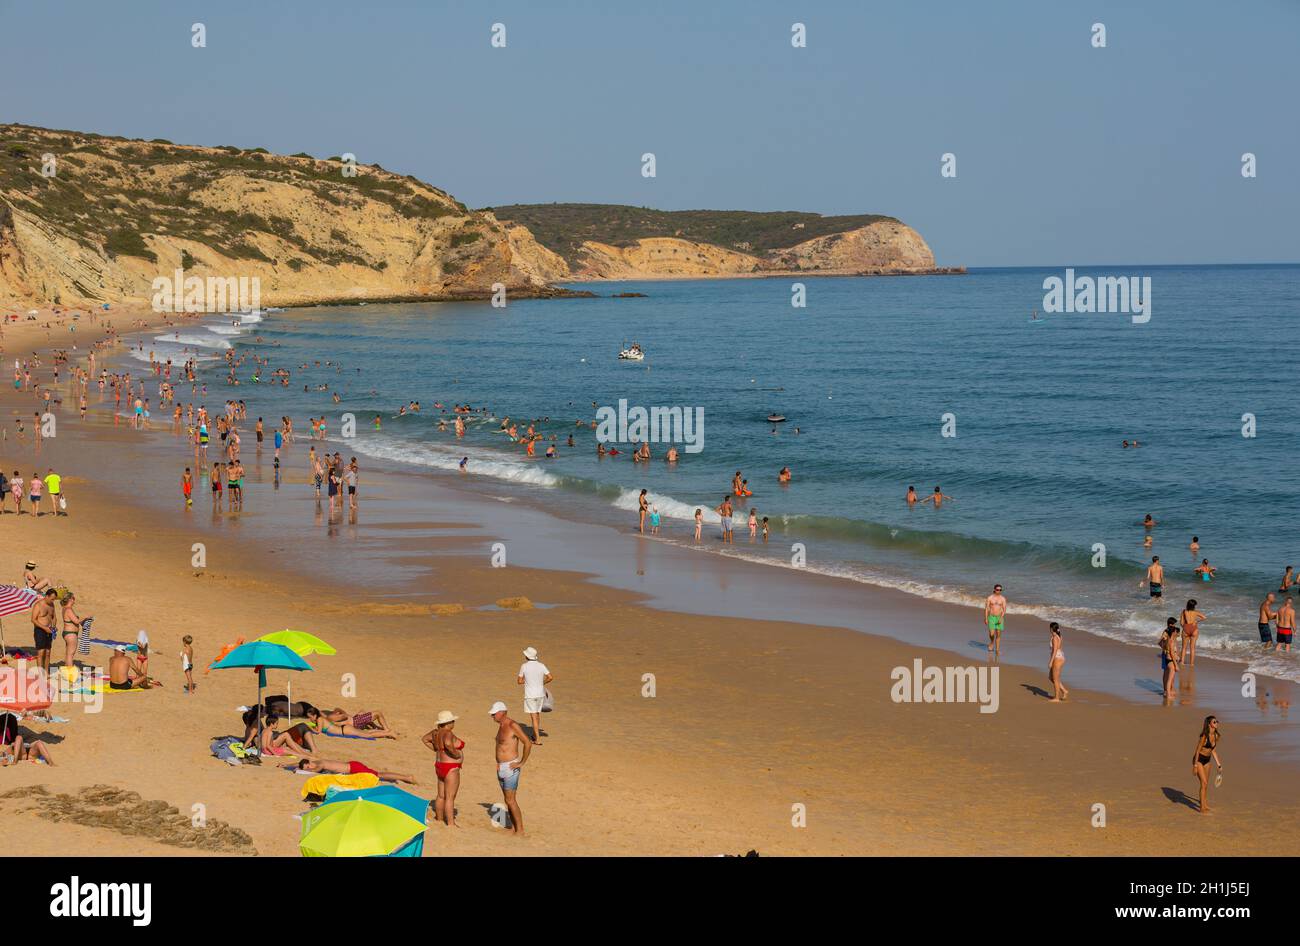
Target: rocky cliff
608	241
87	219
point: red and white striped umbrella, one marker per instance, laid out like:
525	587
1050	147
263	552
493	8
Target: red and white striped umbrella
15	600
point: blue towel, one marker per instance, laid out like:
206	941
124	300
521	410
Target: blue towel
339	735
108	643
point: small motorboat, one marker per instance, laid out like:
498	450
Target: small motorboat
632	353
776	418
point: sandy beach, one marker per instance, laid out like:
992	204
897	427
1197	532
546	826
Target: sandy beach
771	735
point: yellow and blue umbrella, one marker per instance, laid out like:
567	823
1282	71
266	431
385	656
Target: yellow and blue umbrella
393	797
300	642
356	828
259	655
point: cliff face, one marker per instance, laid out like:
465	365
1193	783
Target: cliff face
614	241
876	249
115	214
884	247
86	219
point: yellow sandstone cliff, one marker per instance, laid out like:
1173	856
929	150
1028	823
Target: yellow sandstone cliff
88	219
877	249
115	214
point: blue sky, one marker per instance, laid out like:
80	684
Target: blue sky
1066	154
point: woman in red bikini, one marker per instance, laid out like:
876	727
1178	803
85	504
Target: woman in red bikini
451	755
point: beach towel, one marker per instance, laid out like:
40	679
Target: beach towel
320	784
101	686
339	735
83	637
105	642
229	749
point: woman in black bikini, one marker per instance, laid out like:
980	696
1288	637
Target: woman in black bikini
1206	750
71	628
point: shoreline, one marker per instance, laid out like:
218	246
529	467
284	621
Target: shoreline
769	274
762	713
597	547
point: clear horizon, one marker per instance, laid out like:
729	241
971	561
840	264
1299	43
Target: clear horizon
1066	154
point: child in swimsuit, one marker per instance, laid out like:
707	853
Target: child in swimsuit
187	662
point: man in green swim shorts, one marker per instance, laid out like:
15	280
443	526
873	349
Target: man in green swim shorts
995	612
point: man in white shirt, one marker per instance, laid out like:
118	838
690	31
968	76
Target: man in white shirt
533	677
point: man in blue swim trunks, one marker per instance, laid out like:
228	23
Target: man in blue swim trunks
513	747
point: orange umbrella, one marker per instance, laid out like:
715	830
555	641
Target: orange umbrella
23	690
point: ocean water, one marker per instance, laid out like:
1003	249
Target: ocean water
867	373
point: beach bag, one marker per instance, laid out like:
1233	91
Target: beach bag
8	728
548	701
223	750
63	504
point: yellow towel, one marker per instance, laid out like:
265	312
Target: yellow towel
101	686
318	784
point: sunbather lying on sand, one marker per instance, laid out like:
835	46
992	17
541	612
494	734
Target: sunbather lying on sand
281	706
332	767
365	720
341	727
21	751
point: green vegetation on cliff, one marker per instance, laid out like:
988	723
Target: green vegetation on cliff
562	228
109	191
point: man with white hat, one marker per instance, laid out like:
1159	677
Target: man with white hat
533	677
513	746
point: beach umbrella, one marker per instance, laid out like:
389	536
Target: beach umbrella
23	690
356	828
393	797
389	795
302	644
14	600
259	656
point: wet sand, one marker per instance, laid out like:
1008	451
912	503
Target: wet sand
750	718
